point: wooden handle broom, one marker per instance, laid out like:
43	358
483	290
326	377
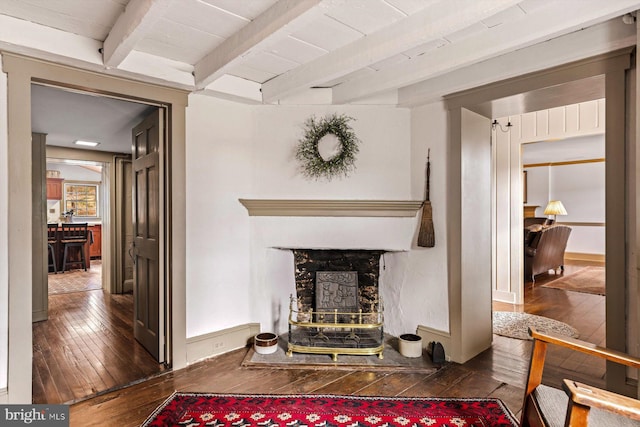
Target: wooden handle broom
426	235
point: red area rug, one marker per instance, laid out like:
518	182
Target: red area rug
202	409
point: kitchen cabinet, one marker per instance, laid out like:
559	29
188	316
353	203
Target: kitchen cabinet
95	250
54	188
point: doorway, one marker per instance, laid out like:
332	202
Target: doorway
90	318
21	72
518	96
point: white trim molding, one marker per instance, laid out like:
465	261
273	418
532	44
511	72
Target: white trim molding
319	208
214	343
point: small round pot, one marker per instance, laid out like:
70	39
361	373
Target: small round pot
265	343
410	345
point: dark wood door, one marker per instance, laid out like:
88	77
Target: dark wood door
146	233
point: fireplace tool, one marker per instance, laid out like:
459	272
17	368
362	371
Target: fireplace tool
426	236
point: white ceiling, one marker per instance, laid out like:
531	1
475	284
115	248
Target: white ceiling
265	51
564	150
68	116
398	52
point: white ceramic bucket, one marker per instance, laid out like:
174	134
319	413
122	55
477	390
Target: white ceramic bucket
410	345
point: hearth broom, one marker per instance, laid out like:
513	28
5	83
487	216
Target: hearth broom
426	235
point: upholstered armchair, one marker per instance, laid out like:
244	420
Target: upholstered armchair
544	250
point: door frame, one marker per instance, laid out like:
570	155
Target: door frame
620	203
21	72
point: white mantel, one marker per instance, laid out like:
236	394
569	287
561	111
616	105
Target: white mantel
332	208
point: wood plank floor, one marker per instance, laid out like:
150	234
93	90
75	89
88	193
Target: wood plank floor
498	372
86	346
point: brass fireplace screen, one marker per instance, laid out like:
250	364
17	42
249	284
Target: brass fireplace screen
336	325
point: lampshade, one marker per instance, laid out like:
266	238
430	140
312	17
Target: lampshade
555	207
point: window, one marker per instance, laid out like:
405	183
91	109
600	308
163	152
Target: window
81	199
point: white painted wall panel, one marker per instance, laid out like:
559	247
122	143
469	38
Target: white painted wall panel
528	126
557	125
542	123
572	119
588	115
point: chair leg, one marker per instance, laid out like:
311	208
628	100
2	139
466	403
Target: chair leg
64	258
84	262
53	258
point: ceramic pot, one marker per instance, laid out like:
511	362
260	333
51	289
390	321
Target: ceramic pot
265	343
410	345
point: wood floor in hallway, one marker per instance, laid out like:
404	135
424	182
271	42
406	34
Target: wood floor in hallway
86	346
498	372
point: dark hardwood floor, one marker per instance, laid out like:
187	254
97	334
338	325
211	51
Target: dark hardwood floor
87	345
498	372
583	311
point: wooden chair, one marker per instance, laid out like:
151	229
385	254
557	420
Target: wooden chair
579	404
52	236
74	236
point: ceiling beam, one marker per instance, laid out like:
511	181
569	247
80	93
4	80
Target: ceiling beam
212	66
30	39
538	25
134	24
592	41
439	19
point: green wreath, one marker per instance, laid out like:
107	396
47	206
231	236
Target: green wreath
340	165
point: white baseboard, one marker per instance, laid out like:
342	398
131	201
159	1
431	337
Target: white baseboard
214	343
4	396
504	296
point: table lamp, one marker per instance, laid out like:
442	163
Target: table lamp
555	207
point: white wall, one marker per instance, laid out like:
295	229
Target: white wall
236	272
4	249
425	293
218	172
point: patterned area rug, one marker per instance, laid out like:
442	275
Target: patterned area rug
590	280
516	325
200	409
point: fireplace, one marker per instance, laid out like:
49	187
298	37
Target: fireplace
337	307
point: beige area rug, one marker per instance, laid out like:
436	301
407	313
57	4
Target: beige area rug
76	280
516	325
392	360
590	280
